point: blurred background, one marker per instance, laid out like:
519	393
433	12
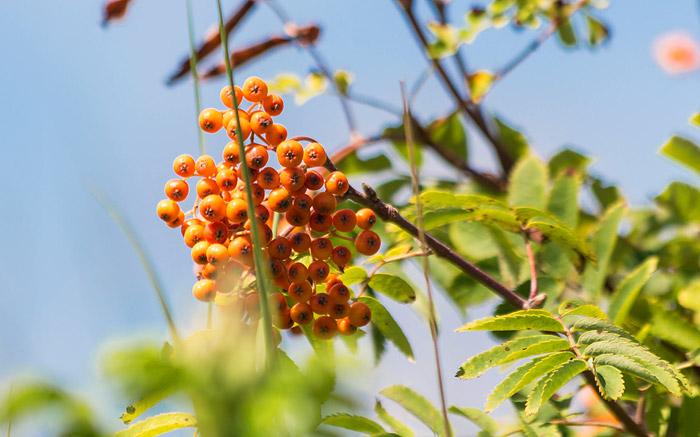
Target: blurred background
86	105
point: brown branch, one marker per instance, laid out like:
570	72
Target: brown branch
615	408
212	41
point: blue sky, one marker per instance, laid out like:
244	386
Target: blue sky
82	104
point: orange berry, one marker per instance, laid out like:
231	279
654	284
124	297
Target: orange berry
184	166
300	292
302	202
290	153
254	89
237	211
227	96
199	252
320	304
314	155
298	273
292	179
217	254
301	313
296	217
345	327
281	282
273	104
320	222
177	190
321	248
300	242
283	320
205	166
341	256
231	115
232	131
260	122
331	280
256	156
212	208
210	271
314	180
366	218
204	290
339	310
215	232
278	303
188	223
268	178
262	213
227	179
252	305
210	120
257	192
276	134
360	314
207	187
324	203
279	248
338	293
232	153
193	235
300	192
168	210
337	183
241	249
275	269
223	165
324	328
318	271
178	221
367	242
279	200
344	220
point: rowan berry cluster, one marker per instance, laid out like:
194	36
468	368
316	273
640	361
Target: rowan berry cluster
299	254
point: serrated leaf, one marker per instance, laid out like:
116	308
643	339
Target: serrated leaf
528	183
417	405
157	425
627	365
610	382
390	420
139	407
627	291
382	320
477	417
538	320
449	133
563	199
353	164
354	423
594	324
523	376
353	275
573	309
480	83
683	151
603	244
568	160
511	350
551	382
441	208
513	140
393	287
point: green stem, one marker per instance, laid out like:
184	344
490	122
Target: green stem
195	77
260	267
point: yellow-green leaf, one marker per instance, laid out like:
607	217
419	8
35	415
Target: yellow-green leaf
160	424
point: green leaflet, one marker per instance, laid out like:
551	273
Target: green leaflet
538	320
570	308
477	417
682	200
603	244
139	407
627	365
513	140
511	350
393	423
160	424
551	382
563	199
382	320
610	382
449	133
353	164
598	32
354	423
695	120
569	160
683	151
441	208
592	324
523	376
353	275
417	405
528	183
393	287
628	290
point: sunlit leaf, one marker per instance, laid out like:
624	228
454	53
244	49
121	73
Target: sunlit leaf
551	382
354	423
417	405
528	183
478	417
353	164
603	245
626	293
160	424
353	275
393	287
683	200
683	151
610	382
396	425
449	133
480	84
568	160
513	140
382	320
538	320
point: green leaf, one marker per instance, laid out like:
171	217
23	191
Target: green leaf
354	423
393	423
160	424
353	164
538	320
567	34
598	32
689	417
632	365
441	208
417	405
683	151
606	195
472	240
139	407
523	376
397	135
689	296
603	245
563	199
567	161
393	287
477	417
681	199
446	41
671	326
528	183
551	382
610	382
594	324
695	120
513	141
382	320
449	133
570	308
480	83
627	291
342	79
353	275
511	350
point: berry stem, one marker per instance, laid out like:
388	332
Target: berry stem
260	267
195	77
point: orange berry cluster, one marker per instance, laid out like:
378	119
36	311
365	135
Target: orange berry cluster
301	257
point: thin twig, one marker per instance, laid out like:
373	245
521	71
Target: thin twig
424	247
533	267
195	78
